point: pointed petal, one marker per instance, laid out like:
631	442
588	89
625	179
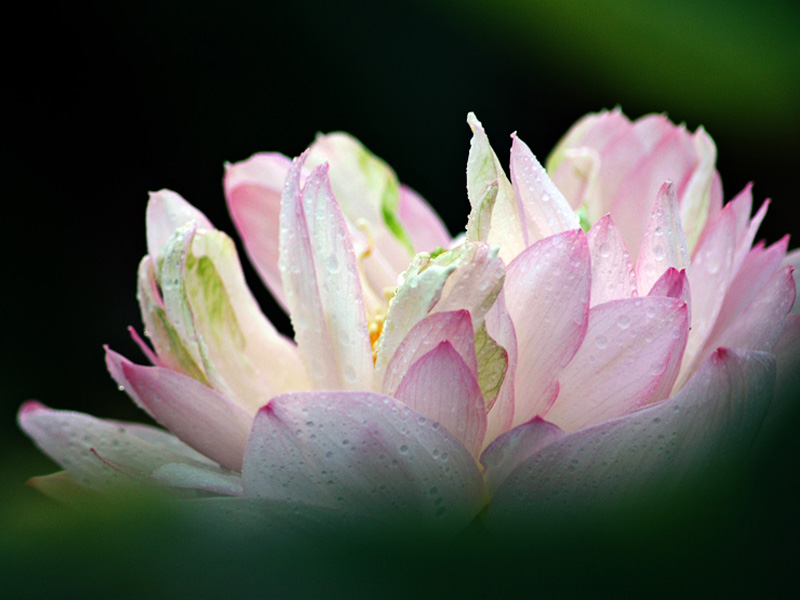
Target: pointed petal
441	386
322	286
88	447
200	416
630	347
696	199
454	327
757	268
674	284
363	454
793	260
253	191
546	210
664	244
496	215
367	191
672	159
709	279
167	212
61	487
714	418
504	454
613	277
423	225
547	296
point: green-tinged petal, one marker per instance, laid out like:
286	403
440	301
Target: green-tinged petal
171	351
696	198
365	186
492	365
495	217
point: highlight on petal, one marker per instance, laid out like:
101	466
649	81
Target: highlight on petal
362	454
547	296
322	285
699	200
253	190
712	421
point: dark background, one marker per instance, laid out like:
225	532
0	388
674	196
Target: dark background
111	100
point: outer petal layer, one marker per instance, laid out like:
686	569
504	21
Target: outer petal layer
716	416
362	454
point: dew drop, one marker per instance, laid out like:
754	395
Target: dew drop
624	322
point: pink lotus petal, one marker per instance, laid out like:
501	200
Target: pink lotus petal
759	326
793	260
468	277
546	210
200	416
709	279
322	286
613	277
671	160
454	327
631	347
699	198
253	191
674	284
362	454
664	244
756	269
441	386
506	452
166	212
547	296
715	417
367	191
85	446
424	227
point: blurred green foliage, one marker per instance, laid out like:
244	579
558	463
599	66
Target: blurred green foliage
735	62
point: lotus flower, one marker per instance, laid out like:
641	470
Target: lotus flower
597	330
